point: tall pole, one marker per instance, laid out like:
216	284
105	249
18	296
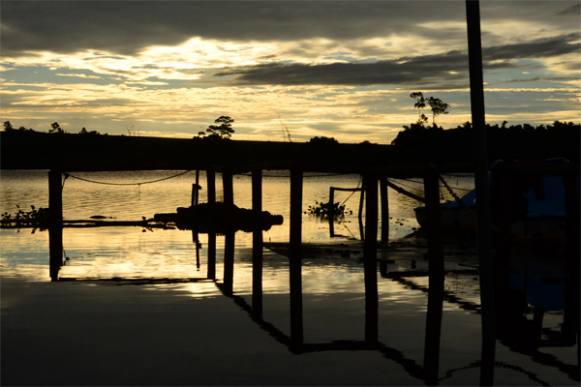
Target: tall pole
486	262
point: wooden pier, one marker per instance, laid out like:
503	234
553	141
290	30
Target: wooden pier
62	153
68	153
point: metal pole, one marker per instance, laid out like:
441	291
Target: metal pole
482	191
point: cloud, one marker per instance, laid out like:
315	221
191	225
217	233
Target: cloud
540	48
128	26
572	10
448	68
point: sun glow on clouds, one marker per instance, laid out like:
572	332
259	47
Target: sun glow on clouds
171	89
190	60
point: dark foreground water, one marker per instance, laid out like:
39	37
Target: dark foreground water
120	263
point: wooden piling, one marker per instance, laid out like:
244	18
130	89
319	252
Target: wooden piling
196	189
436	278
257	245
384	212
370	258
211	199
360	210
296	297
229	235
55	229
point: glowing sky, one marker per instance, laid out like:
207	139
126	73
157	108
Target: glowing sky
319	68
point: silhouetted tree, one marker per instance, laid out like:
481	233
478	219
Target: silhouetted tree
223	128
508	142
56	128
322	140
8	126
438	107
420	104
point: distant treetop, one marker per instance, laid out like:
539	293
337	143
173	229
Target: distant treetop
436	105
222	129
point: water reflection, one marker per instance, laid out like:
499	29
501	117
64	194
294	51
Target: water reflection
413	330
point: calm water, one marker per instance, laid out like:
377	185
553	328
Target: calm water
332	283
130	252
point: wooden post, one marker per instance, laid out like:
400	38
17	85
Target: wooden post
485	260
296	297
211	199
370	258
55	230
257	244
229	235
196	189
436	279
360	212
384	212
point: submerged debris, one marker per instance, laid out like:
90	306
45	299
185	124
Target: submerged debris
327	210
35	218
220	218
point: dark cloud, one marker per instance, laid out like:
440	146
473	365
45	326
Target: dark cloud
535	49
127	26
387	72
449	68
572	10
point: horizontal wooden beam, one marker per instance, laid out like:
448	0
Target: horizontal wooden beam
69	152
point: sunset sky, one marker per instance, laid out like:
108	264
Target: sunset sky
319	68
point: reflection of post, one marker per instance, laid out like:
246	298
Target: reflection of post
211	179
571	316
331	215
370	258
229	234
384	226
257	244
55	230
360	212
195	200
436	279
295	259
